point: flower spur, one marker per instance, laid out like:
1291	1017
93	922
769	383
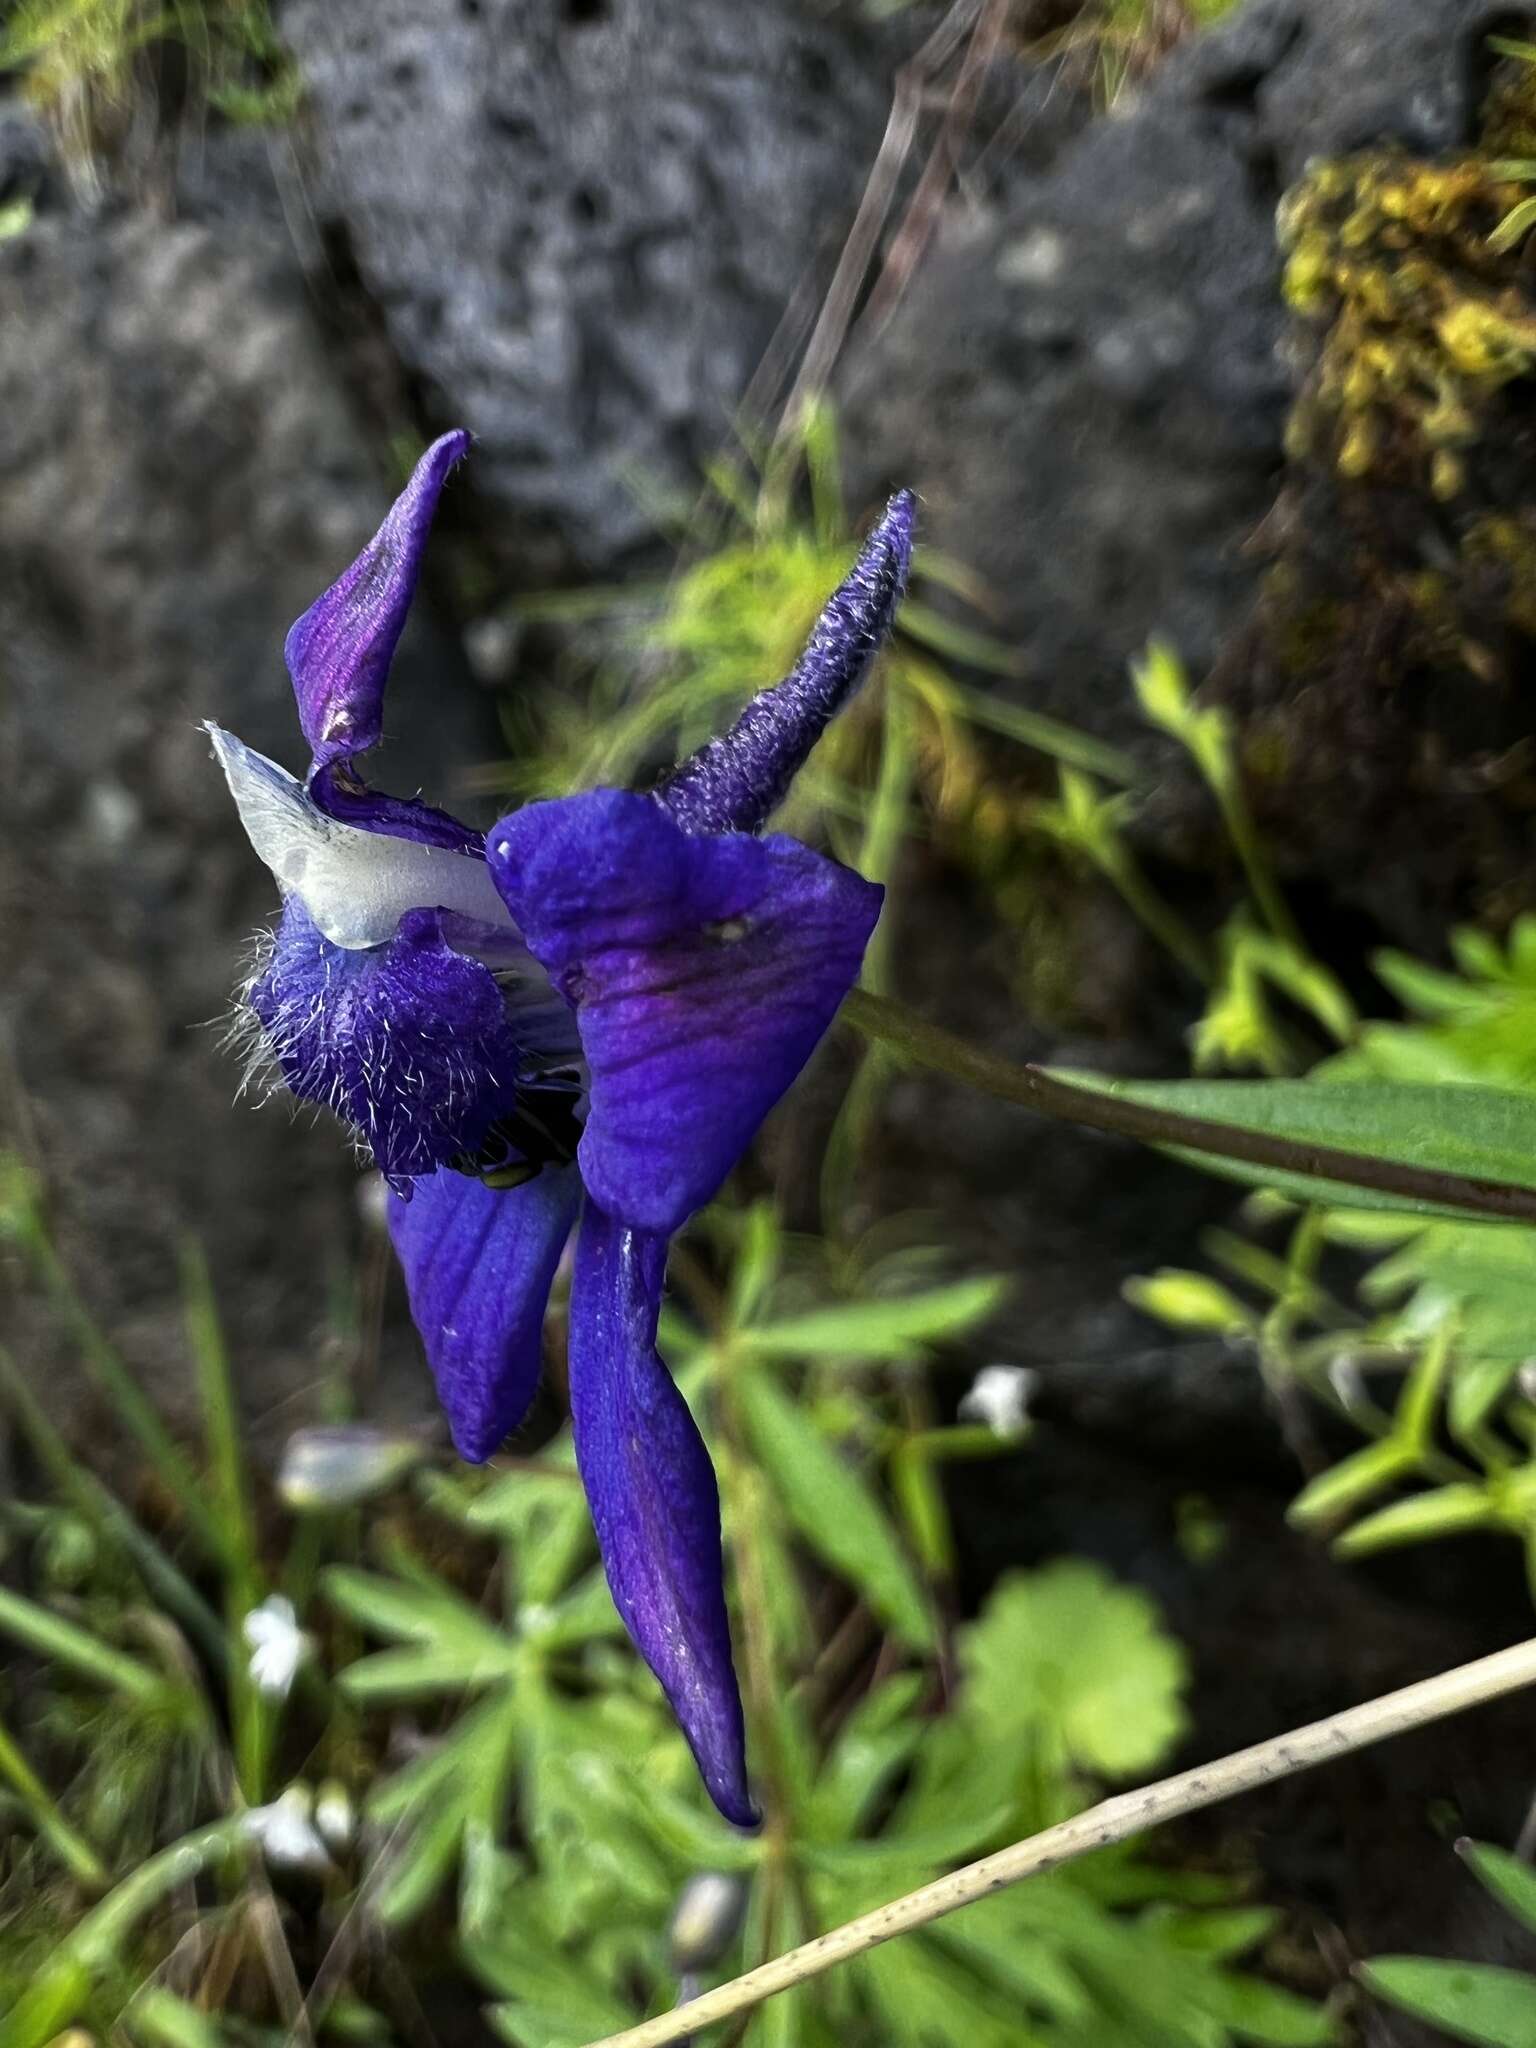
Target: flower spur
575	1023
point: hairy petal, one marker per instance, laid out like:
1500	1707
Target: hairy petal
734	783
703	972
654	1500
339	652
355	880
479	1263
408	1042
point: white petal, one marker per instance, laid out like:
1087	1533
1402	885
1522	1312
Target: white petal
285	1832
356	885
999	1398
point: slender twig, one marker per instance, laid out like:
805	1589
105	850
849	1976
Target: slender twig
1115	1820
838	307
1070	1102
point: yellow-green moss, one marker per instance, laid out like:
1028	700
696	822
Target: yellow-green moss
1423	321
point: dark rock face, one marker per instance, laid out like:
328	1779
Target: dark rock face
582	219
181	477
1087	385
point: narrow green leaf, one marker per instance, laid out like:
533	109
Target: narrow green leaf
1046	735
1346	1485
1475	1133
1511	1882
53	1637
1445	1511
1479	1386
1477	2002
878	1329
1515	226
834	1510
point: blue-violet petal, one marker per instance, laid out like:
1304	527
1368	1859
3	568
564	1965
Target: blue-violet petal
654	1500
478	1264
339	652
703	972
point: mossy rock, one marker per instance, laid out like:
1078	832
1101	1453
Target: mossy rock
1386	678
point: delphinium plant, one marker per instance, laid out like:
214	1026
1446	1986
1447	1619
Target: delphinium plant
568	1030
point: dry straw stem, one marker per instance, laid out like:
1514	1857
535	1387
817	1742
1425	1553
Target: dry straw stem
1112	1821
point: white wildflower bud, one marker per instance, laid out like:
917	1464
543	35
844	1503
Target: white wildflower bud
285	1832
335	1816
339	1465
278	1645
708	1912
999	1397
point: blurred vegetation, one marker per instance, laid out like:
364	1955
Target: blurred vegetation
1485	2003
443	1775
90	64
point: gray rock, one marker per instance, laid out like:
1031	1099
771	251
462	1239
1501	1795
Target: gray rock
581	221
1358	72
1086	392
27	169
1086	384
181	476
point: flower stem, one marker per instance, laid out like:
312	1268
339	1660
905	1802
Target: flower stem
1048	1094
1113	1820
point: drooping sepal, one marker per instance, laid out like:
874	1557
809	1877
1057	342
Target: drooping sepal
339	652
654	1501
703	972
736	781
479	1263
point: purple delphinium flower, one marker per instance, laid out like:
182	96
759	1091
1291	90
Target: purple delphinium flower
579	1019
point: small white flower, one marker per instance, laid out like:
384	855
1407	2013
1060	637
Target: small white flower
286	1833
334	1816
278	1645
999	1396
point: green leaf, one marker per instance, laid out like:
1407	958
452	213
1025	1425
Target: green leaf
1484	1269
834	1509
1474	1132
1256	2011
162	2020
63	1642
876	1740
1478	1388
1045	735
1354	1479
1511	1882
1515	226
875	1330
463	1783
452	1647
1478	2002
1445	1511
1069	1646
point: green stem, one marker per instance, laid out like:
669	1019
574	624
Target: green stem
1068	1102
1159	917
1244	835
72	1849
